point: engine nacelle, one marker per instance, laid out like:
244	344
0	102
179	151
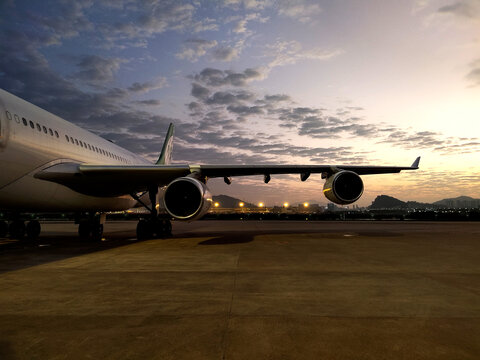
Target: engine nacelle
343	187
187	199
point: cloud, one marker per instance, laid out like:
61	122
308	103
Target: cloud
148	86
248	4
225	53
193	49
215	77
199	91
245	110
149	102
474	75
241	22
64	20
303	11
228	98
291	52
96	69
465	8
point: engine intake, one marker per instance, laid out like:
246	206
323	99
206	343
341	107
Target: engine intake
343	187
187	199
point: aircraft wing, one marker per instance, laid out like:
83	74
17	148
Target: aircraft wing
115	180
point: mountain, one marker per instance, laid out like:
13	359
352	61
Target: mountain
226	201
459	202
387	202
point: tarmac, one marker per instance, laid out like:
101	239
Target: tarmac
245	290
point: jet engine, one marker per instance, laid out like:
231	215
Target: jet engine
343	187
187	199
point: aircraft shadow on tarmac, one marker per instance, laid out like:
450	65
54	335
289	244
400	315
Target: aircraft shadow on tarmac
15	255
230	239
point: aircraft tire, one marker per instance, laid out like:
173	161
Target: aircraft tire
33	229
97	232
3	228
144	230
84	229
17	229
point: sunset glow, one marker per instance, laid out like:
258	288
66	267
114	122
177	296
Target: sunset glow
264	81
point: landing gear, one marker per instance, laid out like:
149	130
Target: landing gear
17	229
3	228
149	228
155	225
91	228
33	229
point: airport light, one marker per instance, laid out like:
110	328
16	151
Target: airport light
261	204
306	204
286	204
216	204
241	204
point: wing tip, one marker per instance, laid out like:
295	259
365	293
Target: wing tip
416	163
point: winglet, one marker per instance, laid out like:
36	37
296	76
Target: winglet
416	163
166	155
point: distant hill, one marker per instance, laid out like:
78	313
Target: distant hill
389	202
459	202
226	201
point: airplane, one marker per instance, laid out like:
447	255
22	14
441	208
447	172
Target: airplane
48	164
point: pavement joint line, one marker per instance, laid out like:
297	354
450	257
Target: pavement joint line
230	306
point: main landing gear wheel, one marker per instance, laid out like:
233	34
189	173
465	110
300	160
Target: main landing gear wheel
147	229
3	229
90	230
33	229
17	229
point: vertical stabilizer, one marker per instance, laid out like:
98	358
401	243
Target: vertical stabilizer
166	155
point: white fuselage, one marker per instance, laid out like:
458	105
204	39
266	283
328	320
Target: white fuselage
32	139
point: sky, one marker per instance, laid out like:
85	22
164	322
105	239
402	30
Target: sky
375	82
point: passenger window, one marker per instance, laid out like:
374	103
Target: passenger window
32	125
76	141
56	134
66	137
71	139
51	132
24	121
39	128
81	144
45	130
9	116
